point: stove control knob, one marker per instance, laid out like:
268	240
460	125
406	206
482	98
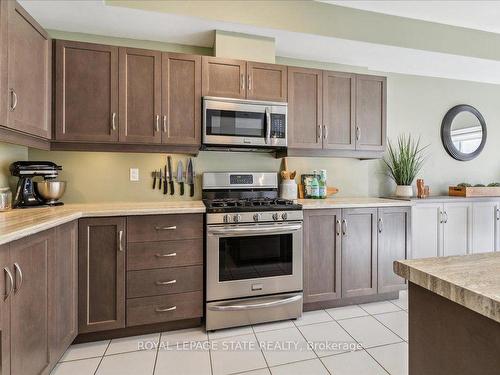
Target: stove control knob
284	215
237	218
226	218
257	217
275	216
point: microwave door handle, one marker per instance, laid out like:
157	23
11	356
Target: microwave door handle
256	229
268	125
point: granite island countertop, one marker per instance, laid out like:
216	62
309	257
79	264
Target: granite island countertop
19	223
355	202
472	281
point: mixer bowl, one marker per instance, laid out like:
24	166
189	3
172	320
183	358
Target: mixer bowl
51	191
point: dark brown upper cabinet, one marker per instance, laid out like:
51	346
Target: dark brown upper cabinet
322	255
339	96
267	82
223	77
101	274
371	92
305	101
140	95
181	99
86	97
25	67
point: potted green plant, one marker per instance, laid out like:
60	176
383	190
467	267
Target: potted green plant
404	161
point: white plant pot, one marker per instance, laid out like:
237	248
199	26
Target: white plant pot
405	191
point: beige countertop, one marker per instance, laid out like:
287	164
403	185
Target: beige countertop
356	202
472	281
20	223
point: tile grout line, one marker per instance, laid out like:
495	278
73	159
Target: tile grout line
262	352
157	351
99	365
402	338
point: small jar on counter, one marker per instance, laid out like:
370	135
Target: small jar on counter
5	199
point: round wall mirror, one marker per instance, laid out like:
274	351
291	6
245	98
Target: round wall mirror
463	132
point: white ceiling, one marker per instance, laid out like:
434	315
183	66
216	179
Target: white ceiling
479	15
94	17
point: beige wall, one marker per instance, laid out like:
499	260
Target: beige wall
8	154
244	47
415	105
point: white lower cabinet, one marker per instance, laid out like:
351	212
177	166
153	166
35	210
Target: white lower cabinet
485	227
455	228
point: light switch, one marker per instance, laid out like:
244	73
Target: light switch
134	174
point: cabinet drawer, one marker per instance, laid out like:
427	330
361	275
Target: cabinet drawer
149	255
164	227
148	310
164	281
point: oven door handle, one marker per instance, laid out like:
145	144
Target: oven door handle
256	229
254	306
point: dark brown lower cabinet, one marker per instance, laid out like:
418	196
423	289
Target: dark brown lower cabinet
101	274
393	244
29	302
322	255
63	290
359	252
348	253
6	285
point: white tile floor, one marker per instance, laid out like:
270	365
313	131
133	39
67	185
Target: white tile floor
381	329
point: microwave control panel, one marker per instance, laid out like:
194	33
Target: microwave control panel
278	125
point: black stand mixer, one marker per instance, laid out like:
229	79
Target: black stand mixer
30	193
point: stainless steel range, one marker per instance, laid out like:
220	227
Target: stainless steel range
254	250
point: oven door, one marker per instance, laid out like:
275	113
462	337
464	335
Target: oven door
240	123
247	260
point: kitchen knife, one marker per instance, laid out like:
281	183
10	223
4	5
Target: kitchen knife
160	178
165	184
170	175
154	179
190	177
180	176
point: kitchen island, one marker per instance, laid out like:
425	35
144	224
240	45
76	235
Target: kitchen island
454	314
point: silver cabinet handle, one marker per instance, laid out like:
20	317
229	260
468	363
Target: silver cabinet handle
445	217
166	282
358	133
325	132
242	81
344	229
165	255
13	99
164	123
380	225
167	309
157	123
320	132
174	227
498	214
441	217
337	225
279	302
17	269
120	241
249	77
11	281
113	121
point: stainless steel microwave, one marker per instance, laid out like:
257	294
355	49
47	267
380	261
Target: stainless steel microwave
239	123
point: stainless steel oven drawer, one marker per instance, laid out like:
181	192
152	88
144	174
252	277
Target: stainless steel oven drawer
253	310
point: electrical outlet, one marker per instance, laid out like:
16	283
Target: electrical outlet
134	174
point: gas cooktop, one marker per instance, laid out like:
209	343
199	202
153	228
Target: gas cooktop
221	205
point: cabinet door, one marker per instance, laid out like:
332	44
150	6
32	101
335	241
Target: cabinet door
223	77
29	304
371	113
305	108
101	274
339	111
457	228
359	252
322	262
29	74
266	82
427	230
63	290
4	89
140	90
6	287
485	226
86	92
181	99
393	244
